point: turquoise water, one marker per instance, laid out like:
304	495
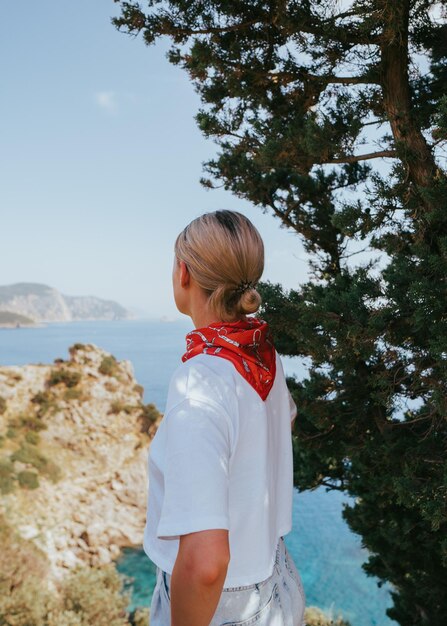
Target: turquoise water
327	554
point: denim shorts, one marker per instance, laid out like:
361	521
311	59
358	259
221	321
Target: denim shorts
276	601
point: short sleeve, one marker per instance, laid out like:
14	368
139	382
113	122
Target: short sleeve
293	407
196	469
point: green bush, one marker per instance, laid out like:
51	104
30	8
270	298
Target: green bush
11	433
52	471
72	394
24	569
76	346
64	376
41	397
139	389
2	441
140	616
32	437
117	406
95	594
29	454
86	596
109	366
27	422
7	477
149	414
316	617
28	480
2	405
45	401
25	605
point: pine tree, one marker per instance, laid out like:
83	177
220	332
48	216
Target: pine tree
333	116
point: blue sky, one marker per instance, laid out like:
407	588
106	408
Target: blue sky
101	159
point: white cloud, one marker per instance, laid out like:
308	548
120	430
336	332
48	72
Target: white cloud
112	101
106	100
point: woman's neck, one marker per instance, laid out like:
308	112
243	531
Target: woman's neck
201	319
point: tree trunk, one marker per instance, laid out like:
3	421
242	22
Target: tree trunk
417	155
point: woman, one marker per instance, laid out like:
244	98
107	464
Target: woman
220	464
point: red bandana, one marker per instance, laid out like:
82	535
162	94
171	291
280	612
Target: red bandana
246	343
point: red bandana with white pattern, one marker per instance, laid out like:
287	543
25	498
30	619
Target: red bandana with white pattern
246	343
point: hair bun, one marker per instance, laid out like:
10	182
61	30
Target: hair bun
249	301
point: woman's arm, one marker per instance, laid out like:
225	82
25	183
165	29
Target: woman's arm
198	577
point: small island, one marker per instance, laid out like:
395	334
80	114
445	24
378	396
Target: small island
8	319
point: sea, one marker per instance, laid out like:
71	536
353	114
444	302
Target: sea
327	554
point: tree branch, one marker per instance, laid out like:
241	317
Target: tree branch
328	29
210	30
363	157
332	486
343	34
289	77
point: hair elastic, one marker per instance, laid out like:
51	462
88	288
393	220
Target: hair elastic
244	286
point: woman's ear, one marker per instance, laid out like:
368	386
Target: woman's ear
185	276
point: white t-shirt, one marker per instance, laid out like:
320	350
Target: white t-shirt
221	458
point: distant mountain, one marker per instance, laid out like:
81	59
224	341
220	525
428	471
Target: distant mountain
42	303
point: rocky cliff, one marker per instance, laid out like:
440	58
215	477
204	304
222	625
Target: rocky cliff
73	458
42	303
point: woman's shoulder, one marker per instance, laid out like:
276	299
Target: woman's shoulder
205	365
204	378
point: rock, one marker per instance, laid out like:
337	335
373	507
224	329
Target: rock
99	504
114	550
60	542
68	559
85	538
82	544
28	531
103	556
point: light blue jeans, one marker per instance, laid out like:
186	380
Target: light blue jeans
276	601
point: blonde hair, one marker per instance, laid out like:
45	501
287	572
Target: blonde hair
223	250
